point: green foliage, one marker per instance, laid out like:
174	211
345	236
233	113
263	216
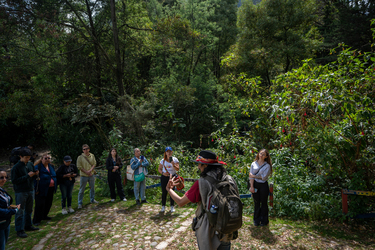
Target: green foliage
275	36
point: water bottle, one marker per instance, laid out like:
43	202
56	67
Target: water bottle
213	209
255	190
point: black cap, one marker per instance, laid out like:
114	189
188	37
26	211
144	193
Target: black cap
67	158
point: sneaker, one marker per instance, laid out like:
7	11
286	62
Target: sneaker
70	210
138	203
172	209
31	228
95	202
21	234
79	206
64	211
144	201
124	199
112	200
162	209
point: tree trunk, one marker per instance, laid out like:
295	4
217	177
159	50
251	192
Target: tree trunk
118	68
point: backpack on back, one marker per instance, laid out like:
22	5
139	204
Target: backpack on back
227	206
14	158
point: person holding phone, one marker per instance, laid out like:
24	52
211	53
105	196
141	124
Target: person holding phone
139	164
260	171
23	175
169	165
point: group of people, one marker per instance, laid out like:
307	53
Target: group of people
39	182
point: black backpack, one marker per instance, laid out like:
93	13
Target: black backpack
228	206
14	158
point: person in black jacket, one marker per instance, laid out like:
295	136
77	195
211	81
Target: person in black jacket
23	175
114	165
6	211
44	189
65	178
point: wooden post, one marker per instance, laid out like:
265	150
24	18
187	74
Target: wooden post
271	194
344	198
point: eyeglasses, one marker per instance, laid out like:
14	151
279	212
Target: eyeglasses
47	158
86	148
3	177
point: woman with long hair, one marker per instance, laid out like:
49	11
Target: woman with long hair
45	187
114	165
260	171
169	165
6	211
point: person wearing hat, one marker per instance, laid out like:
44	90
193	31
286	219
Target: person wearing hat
208	165
65	178
168	166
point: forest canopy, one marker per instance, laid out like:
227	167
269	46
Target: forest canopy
293	76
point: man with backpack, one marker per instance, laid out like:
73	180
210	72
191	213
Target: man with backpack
14	154
219	211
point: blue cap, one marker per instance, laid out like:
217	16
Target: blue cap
168	148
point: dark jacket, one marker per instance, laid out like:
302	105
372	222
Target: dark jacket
109	165
63	169
5	213
21	181
45	179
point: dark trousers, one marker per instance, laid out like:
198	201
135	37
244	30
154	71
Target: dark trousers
23	216
66	189
164	181
261	203
43	205
115	179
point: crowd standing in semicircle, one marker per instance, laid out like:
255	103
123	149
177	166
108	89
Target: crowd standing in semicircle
39	181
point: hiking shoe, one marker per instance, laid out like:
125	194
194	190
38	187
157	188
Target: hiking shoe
172	209
144	201
138	203
31	228
21	234
112	200
124	199
95	202
64	211
162	209
79	206
70	210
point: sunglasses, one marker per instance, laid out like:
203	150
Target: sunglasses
3	177
86	148
47	158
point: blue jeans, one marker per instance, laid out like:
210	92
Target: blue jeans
140	187
83	183
66	189
224	246
23	216
4	237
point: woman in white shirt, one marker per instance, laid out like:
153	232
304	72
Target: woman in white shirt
260	171
169	165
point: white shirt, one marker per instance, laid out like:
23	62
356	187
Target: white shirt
264	171
169	166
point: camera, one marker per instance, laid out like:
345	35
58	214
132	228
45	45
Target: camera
170	159
175	176
142	157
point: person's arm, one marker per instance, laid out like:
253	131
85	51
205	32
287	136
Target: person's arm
181	201
134	163
176	164
108	164
145	163
160	169
16	178
121	164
